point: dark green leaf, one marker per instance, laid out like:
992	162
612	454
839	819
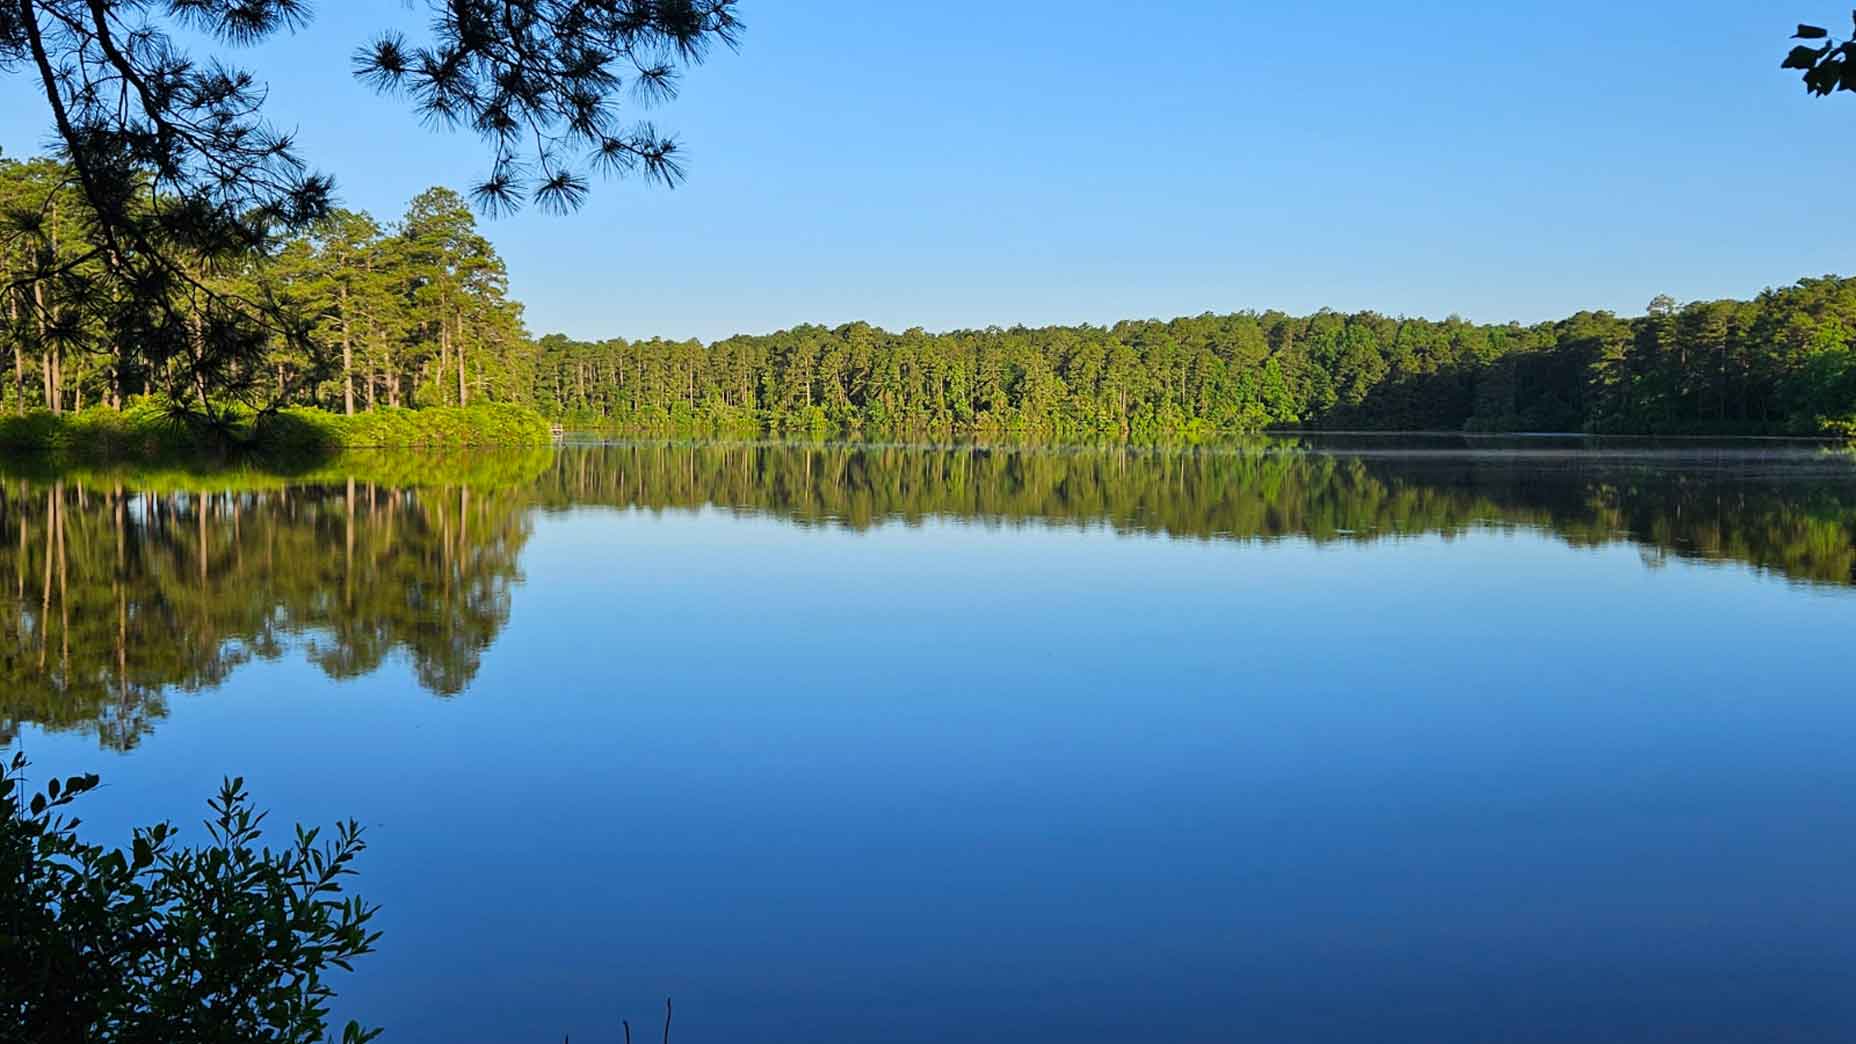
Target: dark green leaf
1803	57
1824	78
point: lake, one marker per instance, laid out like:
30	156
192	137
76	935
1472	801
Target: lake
1337	738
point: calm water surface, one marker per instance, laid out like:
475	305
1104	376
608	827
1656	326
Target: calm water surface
1304	740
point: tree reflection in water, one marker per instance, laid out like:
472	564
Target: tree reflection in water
117	589
117	597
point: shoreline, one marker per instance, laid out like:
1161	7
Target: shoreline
148	430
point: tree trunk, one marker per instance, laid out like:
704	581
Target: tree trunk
19	354
463	395
196	329
444	360
347	360
54	357
45	352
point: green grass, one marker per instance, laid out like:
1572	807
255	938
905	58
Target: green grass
147	430
436	427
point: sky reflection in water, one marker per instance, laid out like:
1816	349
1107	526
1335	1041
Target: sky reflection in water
848	745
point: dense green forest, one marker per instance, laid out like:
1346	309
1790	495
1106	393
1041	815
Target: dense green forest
119	588
410	313
416	312
1780	363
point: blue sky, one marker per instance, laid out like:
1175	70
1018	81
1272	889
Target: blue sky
969	163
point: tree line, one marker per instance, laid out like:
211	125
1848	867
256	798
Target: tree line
1781	363
417	312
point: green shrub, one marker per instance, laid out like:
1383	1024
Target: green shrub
434	427
148	428
1838	427
227	942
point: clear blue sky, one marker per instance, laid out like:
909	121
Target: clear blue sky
969	163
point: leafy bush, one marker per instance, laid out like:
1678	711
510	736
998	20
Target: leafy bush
148	428
1840	427
228	942
434	427
143	427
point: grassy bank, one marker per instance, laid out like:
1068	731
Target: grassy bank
195	471
147	429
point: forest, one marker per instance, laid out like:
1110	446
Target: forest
364	314
1781	363
416	312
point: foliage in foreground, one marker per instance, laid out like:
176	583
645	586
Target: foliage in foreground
1826	64
174	181
227	942
148	428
